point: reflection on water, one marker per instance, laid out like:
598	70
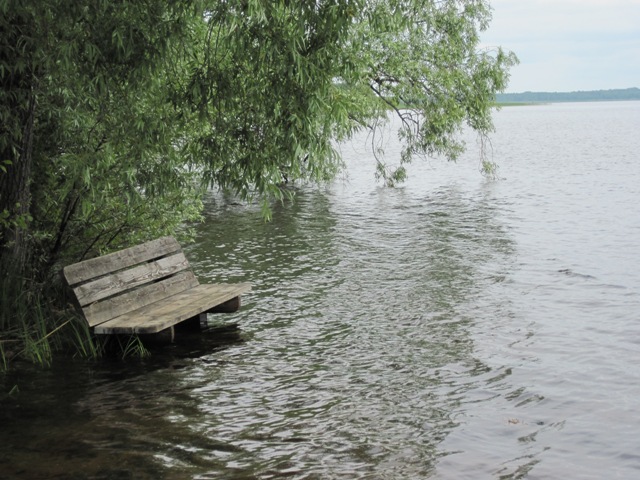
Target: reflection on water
455	327
110	420
361	318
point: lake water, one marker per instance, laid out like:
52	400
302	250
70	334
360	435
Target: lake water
454	327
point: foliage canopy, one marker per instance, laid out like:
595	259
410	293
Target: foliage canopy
115	116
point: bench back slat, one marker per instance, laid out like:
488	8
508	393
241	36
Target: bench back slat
123	281
126	280
99	312
96	267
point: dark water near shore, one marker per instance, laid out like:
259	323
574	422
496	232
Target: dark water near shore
454	327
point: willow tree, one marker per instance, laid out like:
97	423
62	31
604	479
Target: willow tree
278	82
115	114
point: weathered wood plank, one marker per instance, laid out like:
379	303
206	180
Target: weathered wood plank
96	267
172	310
125	280
99	312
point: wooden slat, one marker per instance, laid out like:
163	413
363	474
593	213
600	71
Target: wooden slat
109	308
172	310
96	267
125	280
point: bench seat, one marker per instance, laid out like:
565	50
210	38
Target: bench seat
174	309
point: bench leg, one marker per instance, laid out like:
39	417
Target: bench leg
162	337
193	324
229	306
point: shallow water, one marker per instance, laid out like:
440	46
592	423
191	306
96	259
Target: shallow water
454	327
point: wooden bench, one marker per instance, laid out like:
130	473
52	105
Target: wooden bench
146	289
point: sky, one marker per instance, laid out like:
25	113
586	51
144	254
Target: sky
568	45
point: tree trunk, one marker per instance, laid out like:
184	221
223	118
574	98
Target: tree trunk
15	197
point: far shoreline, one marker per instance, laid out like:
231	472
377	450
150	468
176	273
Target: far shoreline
621	94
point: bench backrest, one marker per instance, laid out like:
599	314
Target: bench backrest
123	281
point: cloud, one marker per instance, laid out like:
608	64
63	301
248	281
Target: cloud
566	45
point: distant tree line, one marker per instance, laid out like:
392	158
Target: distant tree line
580	96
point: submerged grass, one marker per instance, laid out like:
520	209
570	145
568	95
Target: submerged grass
34	326
86	346
133	347
37	323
